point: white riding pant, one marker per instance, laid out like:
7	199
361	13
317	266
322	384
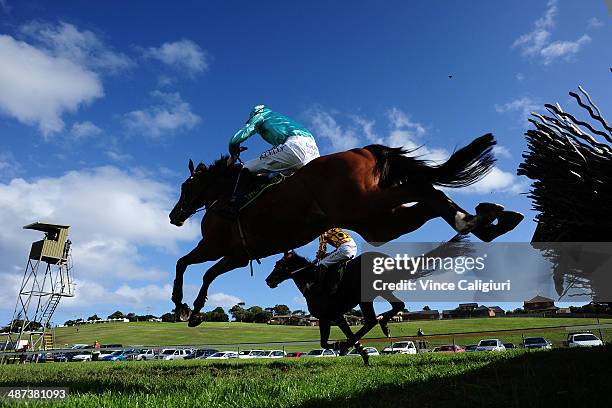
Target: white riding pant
291	155
345	251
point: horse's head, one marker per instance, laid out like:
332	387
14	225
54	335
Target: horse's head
192	195
284	267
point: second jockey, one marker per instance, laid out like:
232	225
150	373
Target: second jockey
292	147
345	248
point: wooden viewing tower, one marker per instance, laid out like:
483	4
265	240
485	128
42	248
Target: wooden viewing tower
46	280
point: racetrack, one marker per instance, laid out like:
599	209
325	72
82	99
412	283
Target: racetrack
558	377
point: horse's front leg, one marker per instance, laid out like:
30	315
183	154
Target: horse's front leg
226	264
324	329
201	253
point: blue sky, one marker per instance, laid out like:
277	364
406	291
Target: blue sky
102	104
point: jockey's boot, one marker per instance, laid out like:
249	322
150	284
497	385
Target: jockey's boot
335	279
319	279
242	184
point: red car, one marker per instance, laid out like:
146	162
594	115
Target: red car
296	354
449	349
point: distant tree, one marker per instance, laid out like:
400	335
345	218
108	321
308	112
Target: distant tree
270	310
216	315
116	315
69	323
281	310
354	312
168	317
258	315
299	312
426	307
239	313
94	317
132	317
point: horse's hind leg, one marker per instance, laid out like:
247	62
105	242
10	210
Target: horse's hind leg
201	253
396	306
226	264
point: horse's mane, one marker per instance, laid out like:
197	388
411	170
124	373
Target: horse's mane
218	168
299	261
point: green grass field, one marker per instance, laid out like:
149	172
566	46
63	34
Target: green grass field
555	378
148	333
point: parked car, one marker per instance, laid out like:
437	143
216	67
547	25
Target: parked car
147	354
201	354
249	353
296	354
173	354
321	353
223	355
509	346
270	354
490	345
536	343
448	349
400	347
83	356
583	340
67	355
119	355
370	350
471	347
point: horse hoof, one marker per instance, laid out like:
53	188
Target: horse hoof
366	358
506	222
195	319
182	312
385	329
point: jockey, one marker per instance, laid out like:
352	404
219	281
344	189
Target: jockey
345	249
292	146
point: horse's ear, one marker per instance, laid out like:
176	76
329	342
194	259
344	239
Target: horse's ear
191	168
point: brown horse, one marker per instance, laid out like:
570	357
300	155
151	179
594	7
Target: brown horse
363	190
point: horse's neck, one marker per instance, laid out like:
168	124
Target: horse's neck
303	278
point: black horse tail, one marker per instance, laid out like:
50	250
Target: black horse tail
465	167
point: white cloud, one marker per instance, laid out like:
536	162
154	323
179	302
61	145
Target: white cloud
117	156
38	88
520	77
538	42
564	49
594	22
116	216
222	299
496	181
9	166
324	125
502	151
524	106
183	55
81	47
170	116
83	130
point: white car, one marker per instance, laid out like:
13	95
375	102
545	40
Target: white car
370	350
85	356
583	340
321	353
250	353
490	345
223	355
173	354
146	355
401	347
269	354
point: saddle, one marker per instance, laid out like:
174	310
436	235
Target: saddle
260	183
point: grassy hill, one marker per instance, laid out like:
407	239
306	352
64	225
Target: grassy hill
152	333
